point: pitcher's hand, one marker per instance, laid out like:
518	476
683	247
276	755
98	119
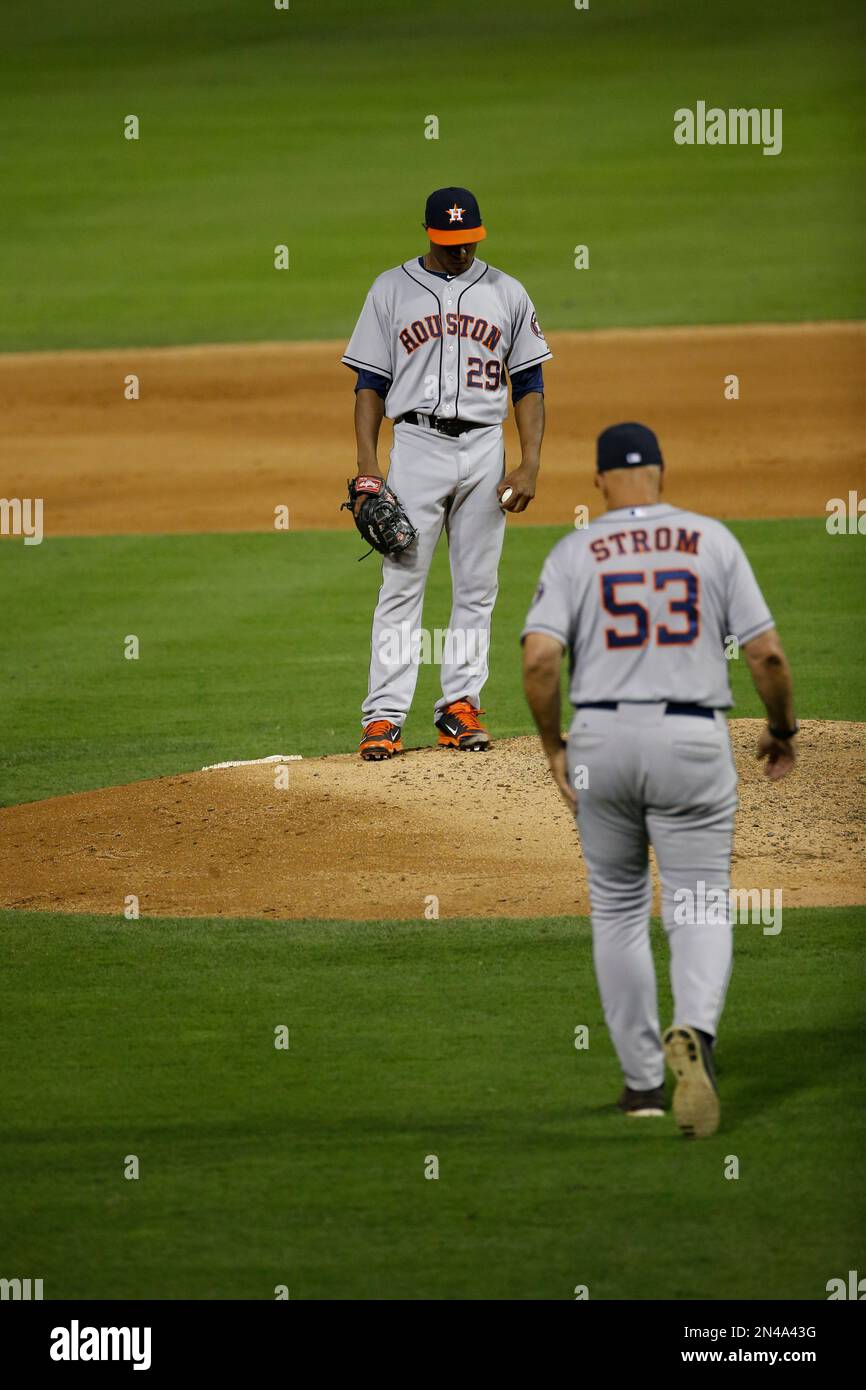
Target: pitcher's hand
521	481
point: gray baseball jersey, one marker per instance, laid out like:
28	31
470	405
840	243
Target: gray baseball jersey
644	599
446	345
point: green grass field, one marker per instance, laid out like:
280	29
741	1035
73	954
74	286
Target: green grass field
256	644
305	1166
306	128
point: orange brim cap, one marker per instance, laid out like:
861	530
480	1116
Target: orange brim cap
459	237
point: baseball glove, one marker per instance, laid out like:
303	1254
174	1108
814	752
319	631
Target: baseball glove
380	517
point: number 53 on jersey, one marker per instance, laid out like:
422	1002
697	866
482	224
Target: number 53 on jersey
623	596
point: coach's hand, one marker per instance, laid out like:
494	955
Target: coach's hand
558	764
522	483
780	754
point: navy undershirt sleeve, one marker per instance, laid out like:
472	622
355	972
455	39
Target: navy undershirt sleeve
531	379
372	381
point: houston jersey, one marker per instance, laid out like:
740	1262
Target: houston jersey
446	345
645	599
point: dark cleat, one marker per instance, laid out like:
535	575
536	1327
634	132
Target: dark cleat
643	1104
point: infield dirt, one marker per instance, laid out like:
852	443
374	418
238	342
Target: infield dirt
487	833
221	436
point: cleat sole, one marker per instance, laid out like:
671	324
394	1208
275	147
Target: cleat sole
695	1102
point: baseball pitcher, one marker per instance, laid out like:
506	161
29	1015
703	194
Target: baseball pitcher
436	344
644	600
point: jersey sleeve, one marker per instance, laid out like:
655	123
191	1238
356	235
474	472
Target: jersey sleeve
553	607
528	347
371	381
532	379
370	345
747	612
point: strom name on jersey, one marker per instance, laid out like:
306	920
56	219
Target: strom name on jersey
641	542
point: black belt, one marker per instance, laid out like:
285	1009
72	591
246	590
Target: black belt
672	707
436	422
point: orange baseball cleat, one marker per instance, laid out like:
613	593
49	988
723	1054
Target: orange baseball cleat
380	739
460	727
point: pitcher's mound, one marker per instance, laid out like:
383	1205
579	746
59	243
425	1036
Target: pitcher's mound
485	834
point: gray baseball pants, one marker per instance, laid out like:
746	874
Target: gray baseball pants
444	484
668	781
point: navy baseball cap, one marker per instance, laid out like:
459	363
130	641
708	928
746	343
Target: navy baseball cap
627	446
452	217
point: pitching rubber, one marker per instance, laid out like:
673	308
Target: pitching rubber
696	1103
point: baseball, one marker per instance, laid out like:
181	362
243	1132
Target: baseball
507	494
